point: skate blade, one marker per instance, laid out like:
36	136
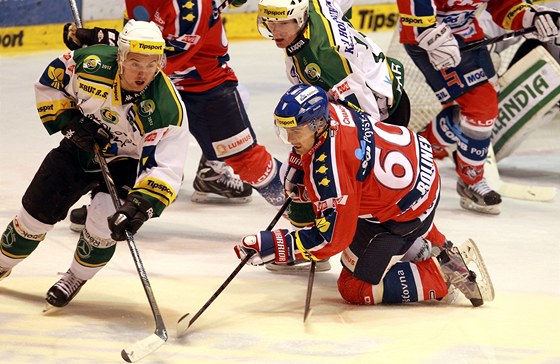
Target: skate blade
473	259
467	204
50	309
297	268
76	227
211	198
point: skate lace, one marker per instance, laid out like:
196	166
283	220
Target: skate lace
69	283
481	187
224	175
230	181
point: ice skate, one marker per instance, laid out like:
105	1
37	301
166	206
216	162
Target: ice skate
299	266
63	291
479	197
4	273
78	219
215	182
458	273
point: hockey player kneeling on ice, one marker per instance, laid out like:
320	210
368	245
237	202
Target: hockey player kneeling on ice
119	99
374	189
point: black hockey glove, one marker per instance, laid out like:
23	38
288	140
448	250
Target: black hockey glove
130	216
84	132
75	38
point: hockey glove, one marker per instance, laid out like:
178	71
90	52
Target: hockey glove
267	246
75	37
130	217
293	179
441	46
544	19
84	132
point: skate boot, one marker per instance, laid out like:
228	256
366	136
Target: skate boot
479	197
215	182
299	266
456	264
4	273
63	291
78	219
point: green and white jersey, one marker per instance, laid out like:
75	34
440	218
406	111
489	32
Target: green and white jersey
331	54
149	126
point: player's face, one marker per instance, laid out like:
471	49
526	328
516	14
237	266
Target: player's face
138	70
283	32
302	138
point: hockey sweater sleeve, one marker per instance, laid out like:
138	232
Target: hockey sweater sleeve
55	106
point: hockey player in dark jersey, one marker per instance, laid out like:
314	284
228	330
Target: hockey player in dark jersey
374	189
117	98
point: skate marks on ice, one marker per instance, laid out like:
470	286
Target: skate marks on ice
258	319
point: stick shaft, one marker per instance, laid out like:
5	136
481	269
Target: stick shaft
75	13
500	38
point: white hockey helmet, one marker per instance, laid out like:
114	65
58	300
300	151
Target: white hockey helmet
140	37
281	10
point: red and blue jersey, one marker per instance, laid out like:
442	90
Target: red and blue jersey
364	169
459	15
196	44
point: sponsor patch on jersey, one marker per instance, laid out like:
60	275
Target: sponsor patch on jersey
417	21
443	95
95	90
231	146
91	64
312	71
475	77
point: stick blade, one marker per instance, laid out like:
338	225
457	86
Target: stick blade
183	325
142	348
527	192
306	315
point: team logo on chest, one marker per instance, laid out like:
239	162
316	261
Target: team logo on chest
312	72
109	116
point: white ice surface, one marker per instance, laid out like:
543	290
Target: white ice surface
258	318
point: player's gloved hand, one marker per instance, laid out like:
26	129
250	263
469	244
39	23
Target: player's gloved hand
293	179
69	37
130	216
544	19
441	46
75	37
266	247
84	132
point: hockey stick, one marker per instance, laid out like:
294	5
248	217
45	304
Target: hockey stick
500	38
182	324
151	343
75	13
514	190
307	311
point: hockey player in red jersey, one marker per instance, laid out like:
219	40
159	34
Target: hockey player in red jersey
374	189
432	32
197	56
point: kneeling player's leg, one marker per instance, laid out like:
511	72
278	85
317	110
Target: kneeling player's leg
404	282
